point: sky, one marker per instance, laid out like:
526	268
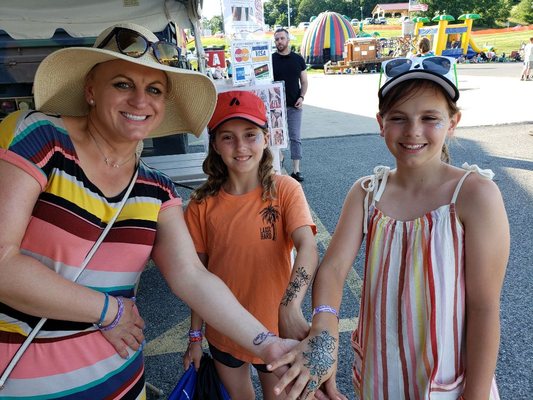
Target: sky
211	8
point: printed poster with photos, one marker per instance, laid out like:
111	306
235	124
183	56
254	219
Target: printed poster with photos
252	62
273	95
243	16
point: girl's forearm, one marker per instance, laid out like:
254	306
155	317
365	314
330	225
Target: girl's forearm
482	343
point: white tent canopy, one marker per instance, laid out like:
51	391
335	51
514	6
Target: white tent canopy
39	19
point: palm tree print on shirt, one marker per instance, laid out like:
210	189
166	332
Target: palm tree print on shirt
270	216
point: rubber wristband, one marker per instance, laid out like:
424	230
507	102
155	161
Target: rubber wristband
104	310
325	308
301	97
115	322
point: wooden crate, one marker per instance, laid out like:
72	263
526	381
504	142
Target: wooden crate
361	49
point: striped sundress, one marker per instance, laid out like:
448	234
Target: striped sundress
410	338
72	360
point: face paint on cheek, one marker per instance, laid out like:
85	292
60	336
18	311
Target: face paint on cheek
439	125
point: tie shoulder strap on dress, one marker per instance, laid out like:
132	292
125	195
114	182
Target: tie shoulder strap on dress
371	184
485	173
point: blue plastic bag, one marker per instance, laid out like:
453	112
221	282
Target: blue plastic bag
186	386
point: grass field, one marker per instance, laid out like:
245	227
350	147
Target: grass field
504	40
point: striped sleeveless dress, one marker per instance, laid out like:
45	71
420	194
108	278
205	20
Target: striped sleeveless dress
71	360
410	338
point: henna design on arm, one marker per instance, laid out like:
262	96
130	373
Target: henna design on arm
301	280
262	337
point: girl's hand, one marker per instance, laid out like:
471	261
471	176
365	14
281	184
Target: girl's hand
193	355
312	363
128	332
292	323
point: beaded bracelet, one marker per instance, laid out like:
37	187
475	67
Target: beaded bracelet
104	310
115	322
195	336
325	308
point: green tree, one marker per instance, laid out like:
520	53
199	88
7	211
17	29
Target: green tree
350	8
216	24
275	12
523	12
490	10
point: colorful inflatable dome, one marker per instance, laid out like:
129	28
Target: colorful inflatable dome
324	39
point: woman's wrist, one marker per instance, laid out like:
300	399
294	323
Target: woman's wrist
115	321
301	97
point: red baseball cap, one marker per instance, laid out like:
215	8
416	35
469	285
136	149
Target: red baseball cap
238	104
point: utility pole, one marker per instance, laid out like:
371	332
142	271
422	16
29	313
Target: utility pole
288	14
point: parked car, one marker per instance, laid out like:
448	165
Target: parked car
303	25
354	21
380	21
369	21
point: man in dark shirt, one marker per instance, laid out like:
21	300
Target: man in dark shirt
290	67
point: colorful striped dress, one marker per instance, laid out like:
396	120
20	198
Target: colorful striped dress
72	360
410	339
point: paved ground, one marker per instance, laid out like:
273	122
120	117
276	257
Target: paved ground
490	94
342	144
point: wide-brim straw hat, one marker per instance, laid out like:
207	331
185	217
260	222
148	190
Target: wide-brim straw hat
60	81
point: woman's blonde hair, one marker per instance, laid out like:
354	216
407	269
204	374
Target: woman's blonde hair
409	89
217	173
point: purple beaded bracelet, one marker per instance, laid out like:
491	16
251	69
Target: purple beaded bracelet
115	322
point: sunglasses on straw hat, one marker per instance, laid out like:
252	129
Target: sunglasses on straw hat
439	69
134	44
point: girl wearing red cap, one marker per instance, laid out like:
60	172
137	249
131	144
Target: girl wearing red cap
244	221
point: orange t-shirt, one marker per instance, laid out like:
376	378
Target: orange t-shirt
248	243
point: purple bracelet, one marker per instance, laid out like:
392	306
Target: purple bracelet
115	322
325	308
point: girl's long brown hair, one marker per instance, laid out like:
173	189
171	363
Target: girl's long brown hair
407	90
217	173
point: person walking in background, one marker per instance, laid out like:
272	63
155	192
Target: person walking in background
290	67
528	60
437	246
424	48
245	221
64	171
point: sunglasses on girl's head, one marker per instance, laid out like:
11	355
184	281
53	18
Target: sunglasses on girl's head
133	44
441	65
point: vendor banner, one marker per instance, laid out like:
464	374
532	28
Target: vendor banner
243	16
252	62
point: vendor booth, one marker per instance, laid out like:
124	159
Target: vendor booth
29	32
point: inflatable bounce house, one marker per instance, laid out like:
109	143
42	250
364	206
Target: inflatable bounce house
324	40
453	40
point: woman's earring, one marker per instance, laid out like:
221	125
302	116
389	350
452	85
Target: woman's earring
91	102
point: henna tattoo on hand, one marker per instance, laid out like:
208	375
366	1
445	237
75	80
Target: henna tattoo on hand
320	358
262	337
301	280
312	386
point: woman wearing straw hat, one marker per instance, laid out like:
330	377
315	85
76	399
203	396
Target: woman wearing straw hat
66	171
